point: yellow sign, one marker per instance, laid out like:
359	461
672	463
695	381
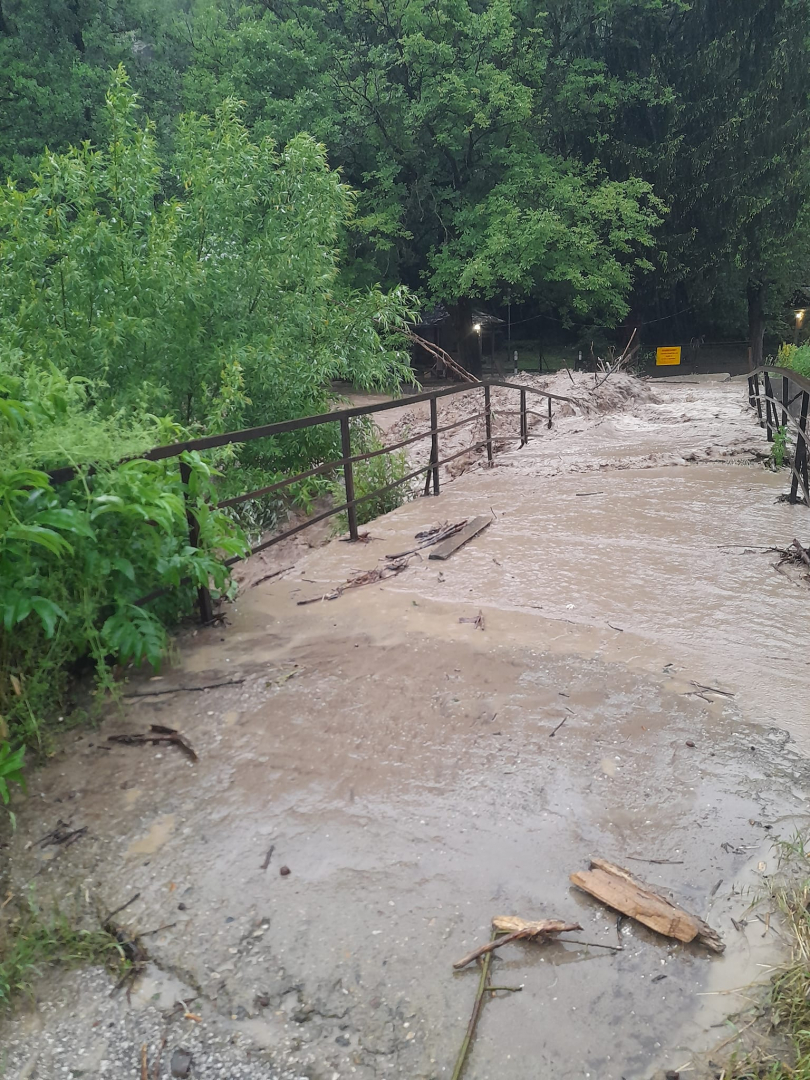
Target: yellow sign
668	355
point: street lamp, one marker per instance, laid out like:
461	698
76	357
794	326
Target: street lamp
799	322
477	326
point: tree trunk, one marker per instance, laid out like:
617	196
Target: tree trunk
756	323
469	340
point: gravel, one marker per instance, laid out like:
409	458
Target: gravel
80	1031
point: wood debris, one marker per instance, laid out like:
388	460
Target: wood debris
367	577
477	621
618	889
157	734
441	357
516	929
453	543
432	536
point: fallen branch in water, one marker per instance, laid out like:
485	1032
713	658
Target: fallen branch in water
185	689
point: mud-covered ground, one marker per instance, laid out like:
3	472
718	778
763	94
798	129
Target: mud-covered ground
401	764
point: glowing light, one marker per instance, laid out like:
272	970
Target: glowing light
477	327
800	317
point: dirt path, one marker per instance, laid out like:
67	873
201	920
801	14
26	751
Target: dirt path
401	765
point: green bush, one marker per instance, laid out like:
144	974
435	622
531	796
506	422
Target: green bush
76	558
795	357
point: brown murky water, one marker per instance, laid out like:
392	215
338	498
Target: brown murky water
402	765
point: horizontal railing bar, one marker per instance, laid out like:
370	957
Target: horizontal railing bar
210	442
328	465
355	502
800	380
794	423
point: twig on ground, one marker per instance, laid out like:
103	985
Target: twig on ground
157	734
267	577
476	1012
118	910
185	689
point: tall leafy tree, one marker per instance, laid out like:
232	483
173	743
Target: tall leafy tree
436	112
222	305
55	61
709	101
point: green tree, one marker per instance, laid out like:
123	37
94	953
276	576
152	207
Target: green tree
437	114
55	59
707	101
222	305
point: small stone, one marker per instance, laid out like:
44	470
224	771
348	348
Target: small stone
672	1075
181	1062
343	1040
690	743
181	907
285	871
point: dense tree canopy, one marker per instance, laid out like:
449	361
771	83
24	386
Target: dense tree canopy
600	159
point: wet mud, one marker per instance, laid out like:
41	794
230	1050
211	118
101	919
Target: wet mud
633	694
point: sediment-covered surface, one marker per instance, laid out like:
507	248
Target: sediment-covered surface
402	766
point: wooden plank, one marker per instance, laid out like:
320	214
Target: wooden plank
453	543
617	888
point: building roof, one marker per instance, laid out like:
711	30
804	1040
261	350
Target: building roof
440	316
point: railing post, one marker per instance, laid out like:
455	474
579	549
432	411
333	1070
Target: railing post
768	395
488	422
434	443
800	462
785	399
549	414
759	400
751	398
348	475
523	424
203	595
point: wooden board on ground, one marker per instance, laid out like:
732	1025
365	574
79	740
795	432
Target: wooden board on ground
453	543
617	888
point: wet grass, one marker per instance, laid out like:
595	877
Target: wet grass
788	1009
32	941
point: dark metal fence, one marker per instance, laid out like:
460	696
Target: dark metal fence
347	461
781	401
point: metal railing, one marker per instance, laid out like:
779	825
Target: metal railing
787	410
346	462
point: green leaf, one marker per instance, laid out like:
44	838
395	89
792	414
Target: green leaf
36	534
48	612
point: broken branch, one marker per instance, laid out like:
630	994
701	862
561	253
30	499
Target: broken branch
517	929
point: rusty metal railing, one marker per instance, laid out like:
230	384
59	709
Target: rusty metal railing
346	462
789	410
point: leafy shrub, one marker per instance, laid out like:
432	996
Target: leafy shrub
75	559
779	447
11	763
795	357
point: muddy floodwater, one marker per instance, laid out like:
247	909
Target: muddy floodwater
638	692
